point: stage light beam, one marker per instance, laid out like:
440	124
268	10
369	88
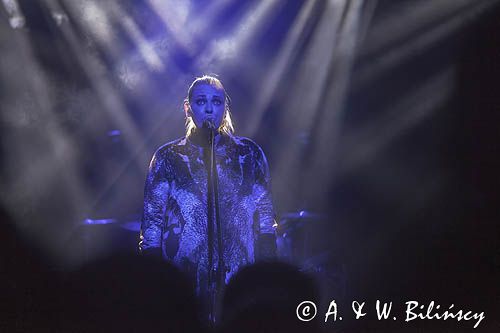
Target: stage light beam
280	66
146	49
16	17
227	49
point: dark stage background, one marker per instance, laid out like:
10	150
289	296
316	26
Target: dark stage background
379	120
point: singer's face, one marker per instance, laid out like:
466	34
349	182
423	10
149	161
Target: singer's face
207	103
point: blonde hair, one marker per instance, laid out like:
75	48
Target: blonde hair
226	125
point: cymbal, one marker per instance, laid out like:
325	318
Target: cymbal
99	221
303	214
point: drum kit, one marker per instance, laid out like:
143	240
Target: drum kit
297	234
303	239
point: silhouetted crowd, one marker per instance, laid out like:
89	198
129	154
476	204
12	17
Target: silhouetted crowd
126	293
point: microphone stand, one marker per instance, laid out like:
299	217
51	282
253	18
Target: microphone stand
215	276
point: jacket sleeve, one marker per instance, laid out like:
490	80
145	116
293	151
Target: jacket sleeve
264	215
155	201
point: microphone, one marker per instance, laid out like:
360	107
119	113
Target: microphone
209	124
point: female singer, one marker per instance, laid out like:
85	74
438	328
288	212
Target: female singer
207	198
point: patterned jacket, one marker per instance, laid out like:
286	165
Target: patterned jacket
175	205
